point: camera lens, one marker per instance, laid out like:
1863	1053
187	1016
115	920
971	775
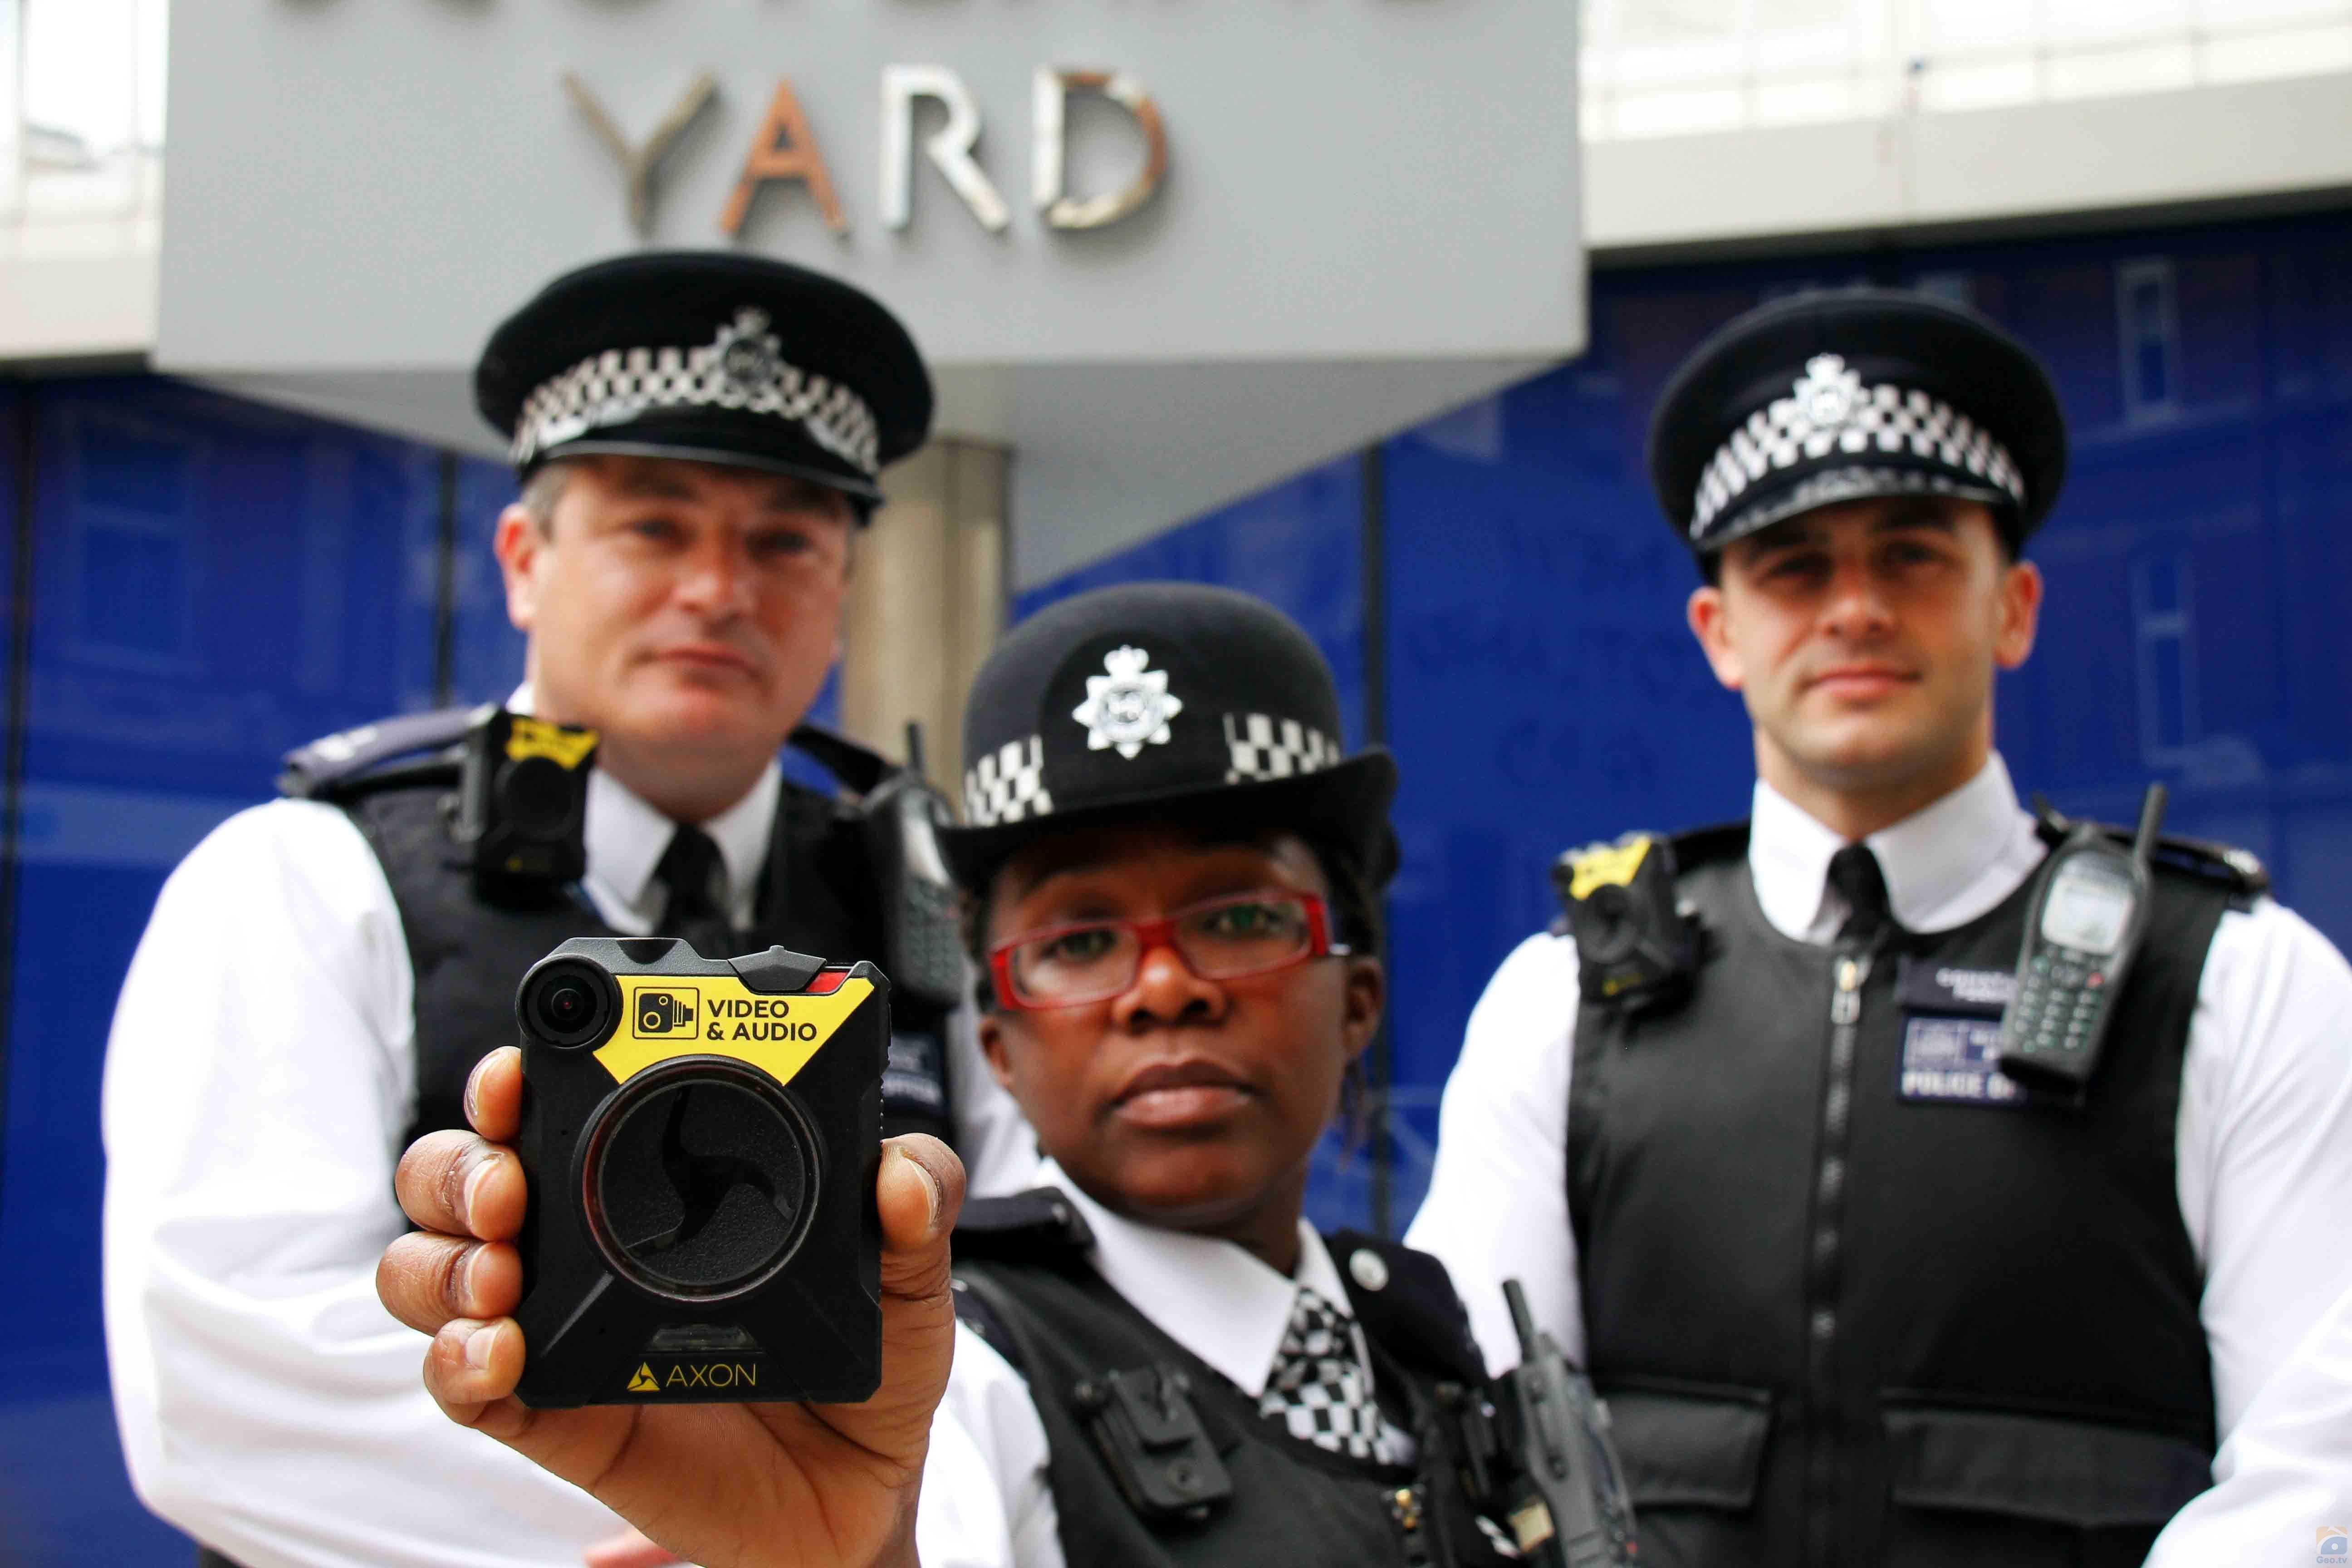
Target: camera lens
567	1004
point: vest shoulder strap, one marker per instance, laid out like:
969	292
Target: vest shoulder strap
2236	873
405	748
1040	1226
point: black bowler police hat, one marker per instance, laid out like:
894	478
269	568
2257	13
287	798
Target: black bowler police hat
710	355
1162	700
1823	398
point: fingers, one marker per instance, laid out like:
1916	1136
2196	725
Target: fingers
425	1280
630	1550
471	1369
919	1192
494	1095
459	1184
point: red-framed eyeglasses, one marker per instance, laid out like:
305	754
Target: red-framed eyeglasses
1223	939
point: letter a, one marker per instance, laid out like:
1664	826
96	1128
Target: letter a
784	149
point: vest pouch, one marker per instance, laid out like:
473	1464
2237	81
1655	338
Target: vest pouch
1984	1486
1692	1455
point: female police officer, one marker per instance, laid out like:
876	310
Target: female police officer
1171	870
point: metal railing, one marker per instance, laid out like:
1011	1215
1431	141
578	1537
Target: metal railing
1667	67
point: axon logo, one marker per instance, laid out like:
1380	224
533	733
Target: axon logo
2335	1543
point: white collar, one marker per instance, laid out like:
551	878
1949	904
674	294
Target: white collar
625	836
1944	864
1214	1298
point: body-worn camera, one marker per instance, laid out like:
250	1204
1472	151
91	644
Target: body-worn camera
522	798
1634	946
700	1137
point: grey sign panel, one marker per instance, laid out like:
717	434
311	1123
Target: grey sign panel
362	185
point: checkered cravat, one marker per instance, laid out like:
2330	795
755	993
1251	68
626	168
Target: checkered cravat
1319	1389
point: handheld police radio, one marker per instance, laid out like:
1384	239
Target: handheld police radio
2089	912
700	1137
1560	1489
923	945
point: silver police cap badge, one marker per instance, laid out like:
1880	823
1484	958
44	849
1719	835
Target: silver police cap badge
748	354
1127	708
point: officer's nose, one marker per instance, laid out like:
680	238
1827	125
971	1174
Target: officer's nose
1165	992
714	580
1858	608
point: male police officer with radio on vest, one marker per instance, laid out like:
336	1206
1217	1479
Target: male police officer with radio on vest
1853	1295
699	437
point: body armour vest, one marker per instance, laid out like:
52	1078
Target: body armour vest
1853	1298
468	955
1024	1283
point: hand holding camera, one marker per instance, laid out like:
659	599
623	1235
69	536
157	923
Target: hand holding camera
654	1176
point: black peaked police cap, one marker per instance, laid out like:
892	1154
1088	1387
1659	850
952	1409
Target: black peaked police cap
1822	398
710	355
1162	700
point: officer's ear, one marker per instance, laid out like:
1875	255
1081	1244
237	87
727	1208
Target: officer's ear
518	542
1709	619
2021	614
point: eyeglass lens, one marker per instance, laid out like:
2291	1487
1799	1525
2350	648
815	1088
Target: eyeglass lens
1218	941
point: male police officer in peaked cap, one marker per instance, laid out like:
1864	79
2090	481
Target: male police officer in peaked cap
1854	1296
699	437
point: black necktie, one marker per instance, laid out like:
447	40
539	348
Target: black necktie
1855	873
696	876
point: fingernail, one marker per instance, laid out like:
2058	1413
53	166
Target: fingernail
479	1345
474	1180
930	1190
468	1287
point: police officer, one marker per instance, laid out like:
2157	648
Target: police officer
1853	1295
698	438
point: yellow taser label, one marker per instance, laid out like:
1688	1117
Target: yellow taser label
666	1016
538	738
1616	863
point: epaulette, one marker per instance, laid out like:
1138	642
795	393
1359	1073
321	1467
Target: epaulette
1040	1224
1406	1301
408	748
2237	872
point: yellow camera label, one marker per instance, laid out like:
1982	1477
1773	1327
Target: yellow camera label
665	1017
538	738
1610	863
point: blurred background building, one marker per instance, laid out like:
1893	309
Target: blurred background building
2156	195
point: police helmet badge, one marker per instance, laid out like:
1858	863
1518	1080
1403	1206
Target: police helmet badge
1130	706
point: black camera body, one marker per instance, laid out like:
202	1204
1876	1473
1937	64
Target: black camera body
700	1138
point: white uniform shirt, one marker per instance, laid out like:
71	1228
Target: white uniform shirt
985	1499
2263	1143
258	1078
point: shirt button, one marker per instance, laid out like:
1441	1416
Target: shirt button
1824	1323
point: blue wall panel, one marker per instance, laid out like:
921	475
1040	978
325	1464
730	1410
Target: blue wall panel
213	583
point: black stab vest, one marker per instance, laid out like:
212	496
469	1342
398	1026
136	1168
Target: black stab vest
1837	1327
468	955
1293	1505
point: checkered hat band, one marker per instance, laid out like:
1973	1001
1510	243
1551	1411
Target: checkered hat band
621	386
1877	422
1261	747
1319	1390
1008	785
